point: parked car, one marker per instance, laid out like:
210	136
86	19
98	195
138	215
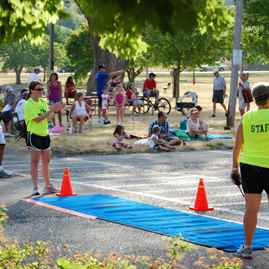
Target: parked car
223	67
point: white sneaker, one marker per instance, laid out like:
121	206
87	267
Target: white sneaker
50	190
244	252
35	191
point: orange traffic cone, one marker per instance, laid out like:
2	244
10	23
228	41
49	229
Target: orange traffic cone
66	189
201	203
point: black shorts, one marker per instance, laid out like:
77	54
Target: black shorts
255	179
6	116
36	142
218	96
99	101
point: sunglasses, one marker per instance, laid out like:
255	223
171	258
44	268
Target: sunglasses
38	89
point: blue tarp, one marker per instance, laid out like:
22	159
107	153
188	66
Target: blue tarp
195	228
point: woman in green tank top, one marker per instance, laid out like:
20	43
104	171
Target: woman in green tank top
36	114
251	155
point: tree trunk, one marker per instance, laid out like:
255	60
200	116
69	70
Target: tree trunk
176	78
100	57
132	73
18	74
44	74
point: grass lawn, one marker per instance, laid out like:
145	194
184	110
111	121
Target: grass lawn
98	138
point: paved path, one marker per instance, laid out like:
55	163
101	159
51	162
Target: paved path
167	179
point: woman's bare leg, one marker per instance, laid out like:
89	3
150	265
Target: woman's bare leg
253	202
45	158
35	157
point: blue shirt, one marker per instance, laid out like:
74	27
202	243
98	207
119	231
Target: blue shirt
101	80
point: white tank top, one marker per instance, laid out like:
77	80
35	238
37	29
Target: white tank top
193	125
80	109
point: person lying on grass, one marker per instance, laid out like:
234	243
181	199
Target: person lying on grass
157	143
196	126
120	135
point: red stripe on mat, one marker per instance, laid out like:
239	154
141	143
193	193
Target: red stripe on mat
62	210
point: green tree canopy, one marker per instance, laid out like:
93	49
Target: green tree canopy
168	15
256	31
23	54
207	43
79	52
27	18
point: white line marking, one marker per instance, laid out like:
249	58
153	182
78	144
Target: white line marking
222	152
194	188
127	192
161	198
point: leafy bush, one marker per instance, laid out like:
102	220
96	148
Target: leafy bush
39	256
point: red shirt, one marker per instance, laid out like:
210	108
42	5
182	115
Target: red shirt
129	94
149	84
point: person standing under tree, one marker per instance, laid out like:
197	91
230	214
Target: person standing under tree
244	94
219	92
102	77
3	172
251	155
36	114
34	76
55	94
70	89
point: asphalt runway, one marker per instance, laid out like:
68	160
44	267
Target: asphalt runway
167	179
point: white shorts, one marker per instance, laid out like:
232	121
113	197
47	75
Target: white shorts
2	137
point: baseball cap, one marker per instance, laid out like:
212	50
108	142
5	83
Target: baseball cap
101	66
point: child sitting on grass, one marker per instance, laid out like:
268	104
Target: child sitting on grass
120	135
155	142
80	112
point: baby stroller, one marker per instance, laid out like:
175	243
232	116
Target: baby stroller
187	101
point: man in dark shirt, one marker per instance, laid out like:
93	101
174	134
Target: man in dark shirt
165	129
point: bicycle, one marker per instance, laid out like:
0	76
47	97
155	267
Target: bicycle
148	104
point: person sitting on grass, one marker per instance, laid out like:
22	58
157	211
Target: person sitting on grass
196	126
157	143
120	135
165	130
80	112
185	116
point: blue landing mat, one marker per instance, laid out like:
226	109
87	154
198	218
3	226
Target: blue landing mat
194	228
